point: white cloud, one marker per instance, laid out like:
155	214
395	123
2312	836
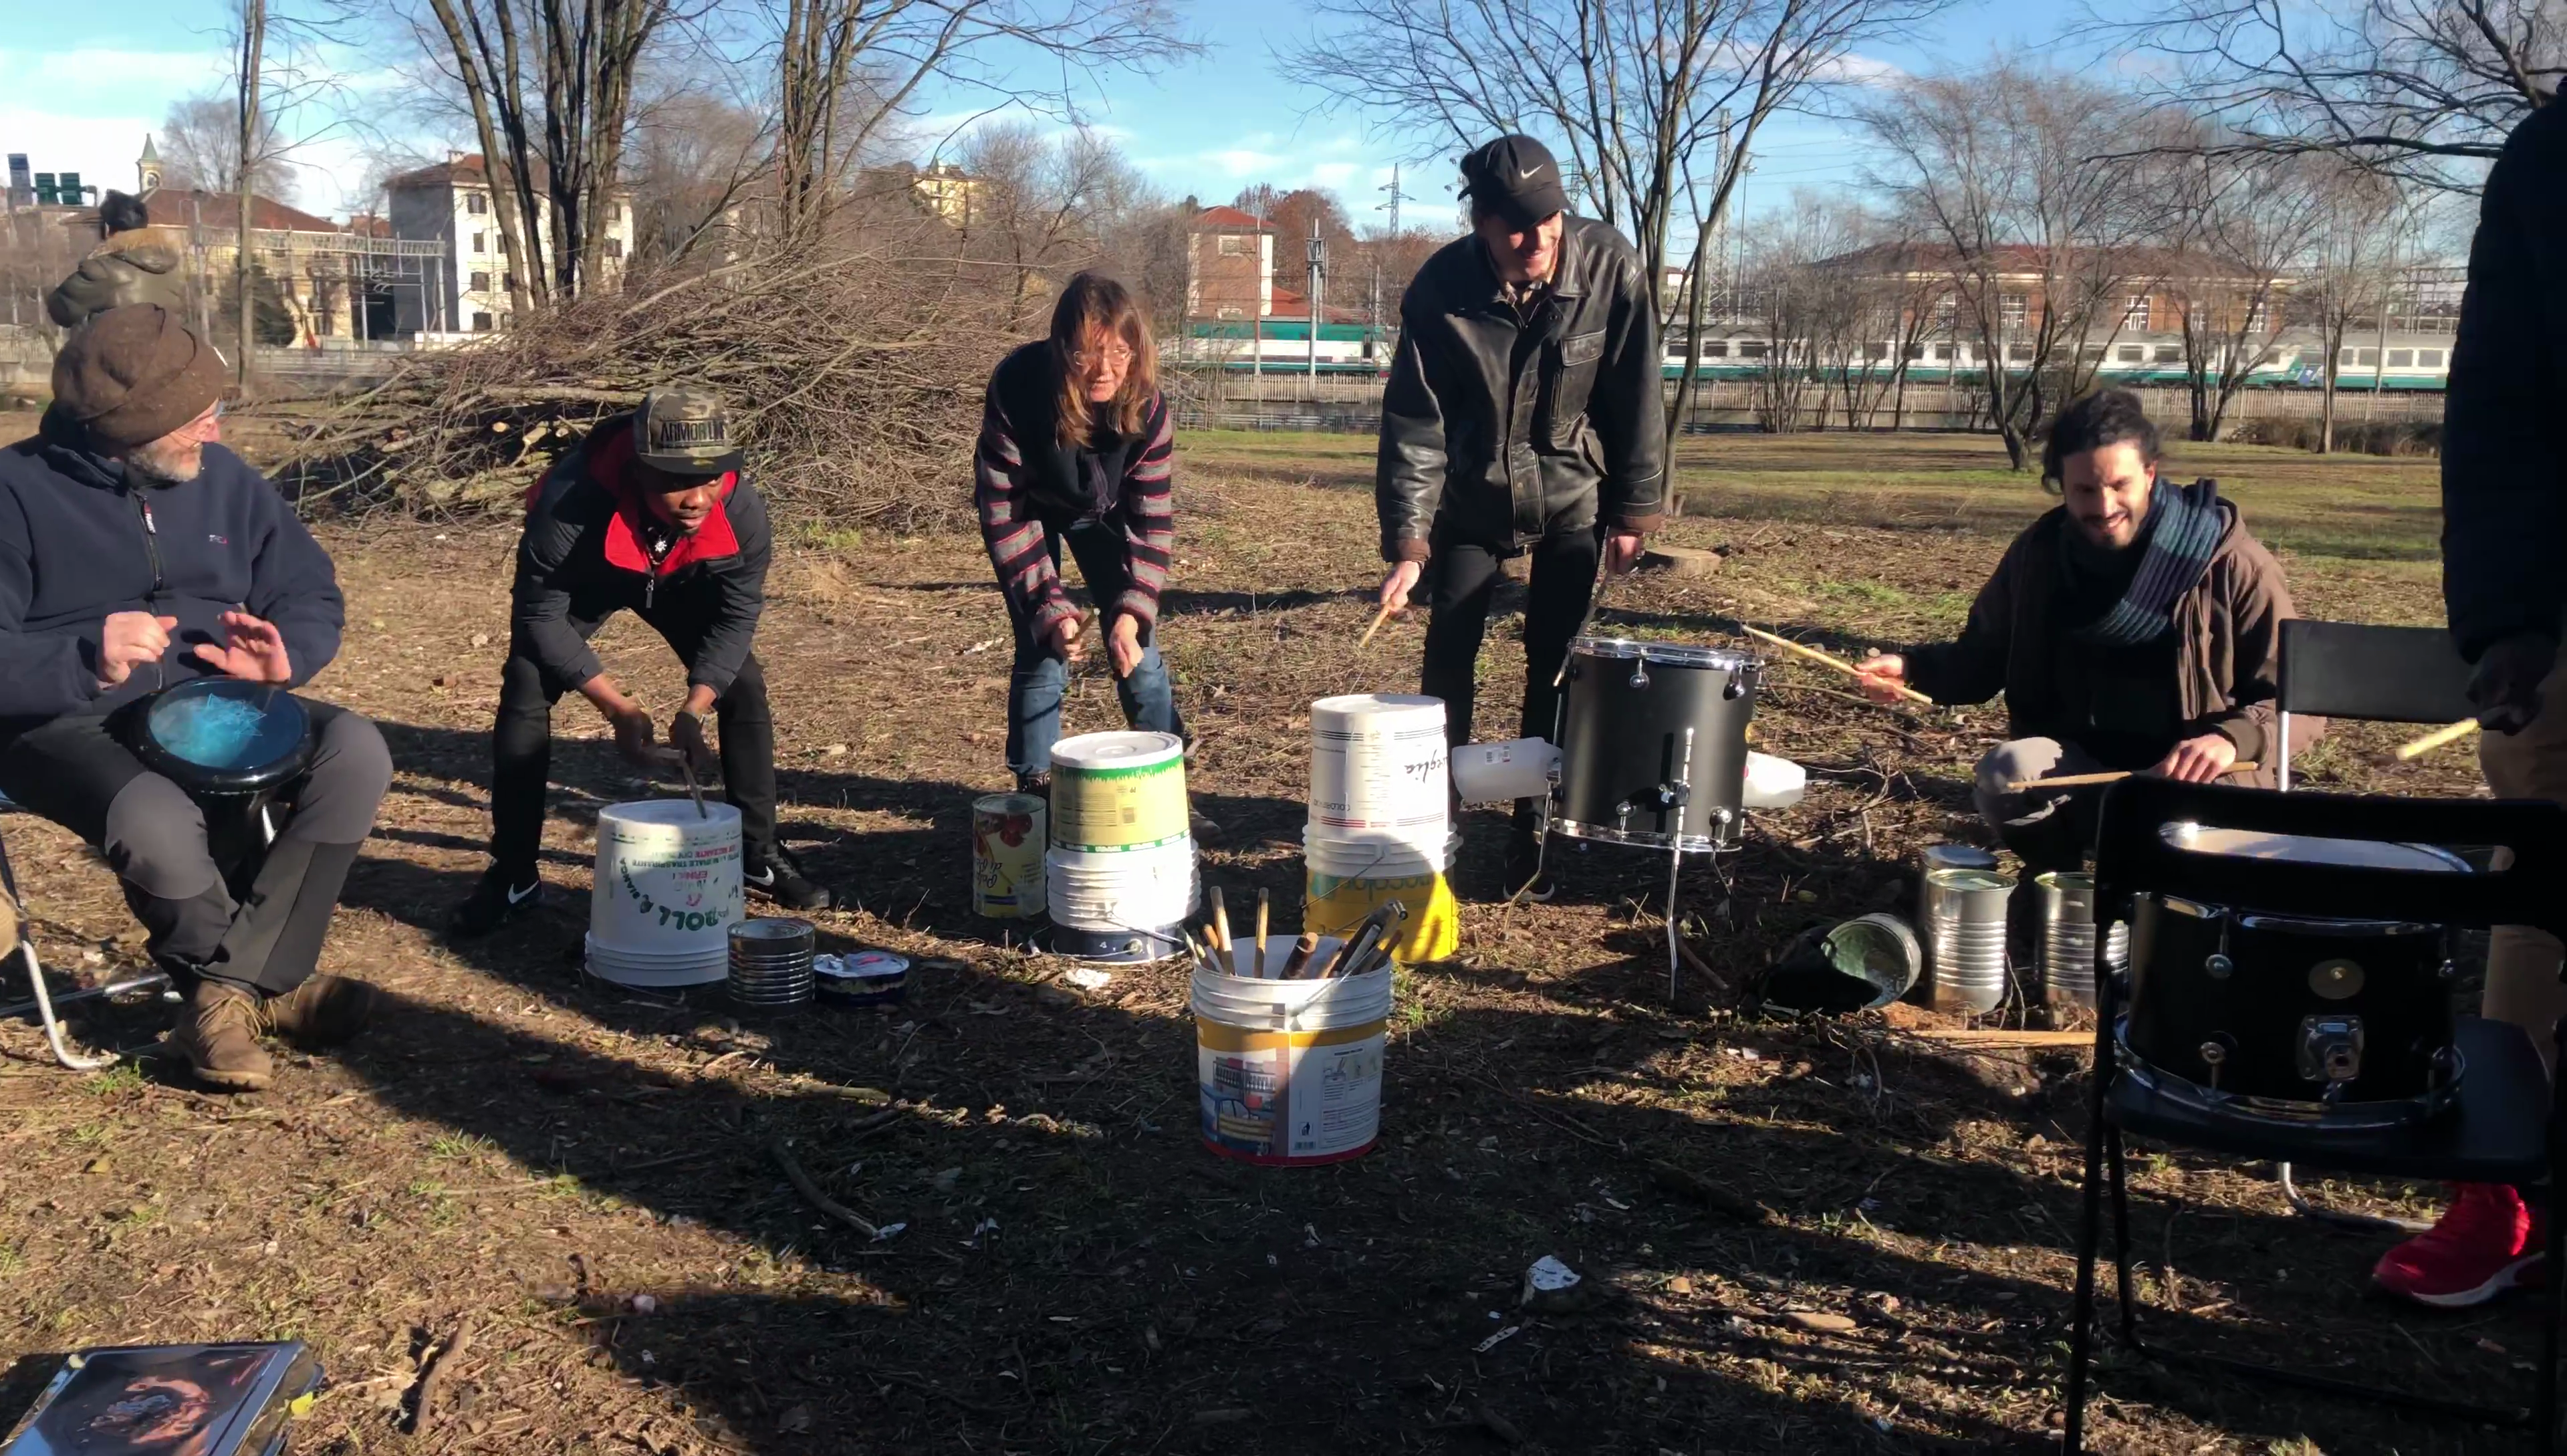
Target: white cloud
101	148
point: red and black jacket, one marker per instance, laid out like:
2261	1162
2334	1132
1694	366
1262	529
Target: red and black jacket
592	547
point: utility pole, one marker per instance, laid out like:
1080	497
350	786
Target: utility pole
253	46
1396	197
1318	275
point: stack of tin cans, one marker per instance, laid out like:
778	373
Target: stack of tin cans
771	964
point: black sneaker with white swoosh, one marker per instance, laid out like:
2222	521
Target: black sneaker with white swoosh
782	881
499	896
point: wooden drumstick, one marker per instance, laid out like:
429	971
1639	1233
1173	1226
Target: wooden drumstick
1261	899
1815	656
2436	739
1377	619
2081	780
1297	959
1220	922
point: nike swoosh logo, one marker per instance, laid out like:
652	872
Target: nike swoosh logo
519	897
1529	173
762	879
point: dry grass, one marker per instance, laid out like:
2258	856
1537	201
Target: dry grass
1076	1274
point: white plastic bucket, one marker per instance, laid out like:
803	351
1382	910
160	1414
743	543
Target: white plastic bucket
1008	833
665	893
1117	792
1774	783
1134	890
1288	1072
1378	761
1490	773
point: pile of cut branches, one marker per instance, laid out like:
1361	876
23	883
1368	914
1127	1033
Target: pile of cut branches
853	370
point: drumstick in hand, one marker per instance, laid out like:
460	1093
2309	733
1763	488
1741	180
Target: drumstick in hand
1377	619
2436	739
2081	780
1815	656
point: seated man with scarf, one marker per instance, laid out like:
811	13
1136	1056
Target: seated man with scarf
2138	626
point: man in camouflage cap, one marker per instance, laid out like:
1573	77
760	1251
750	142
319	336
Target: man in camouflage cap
651	514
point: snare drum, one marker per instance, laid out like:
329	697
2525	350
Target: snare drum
1653	744
2293	1017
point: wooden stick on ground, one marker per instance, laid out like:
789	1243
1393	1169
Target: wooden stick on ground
1996	1038
2436	739
1838	663
1377	619
431	1377
2081	780
812	1195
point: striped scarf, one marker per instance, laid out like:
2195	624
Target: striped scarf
2183	532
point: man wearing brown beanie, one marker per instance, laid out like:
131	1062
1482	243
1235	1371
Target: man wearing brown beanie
138	554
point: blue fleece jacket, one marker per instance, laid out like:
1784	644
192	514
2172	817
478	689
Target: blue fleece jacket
79	541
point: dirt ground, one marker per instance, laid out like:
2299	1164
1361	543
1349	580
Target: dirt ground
1863	1245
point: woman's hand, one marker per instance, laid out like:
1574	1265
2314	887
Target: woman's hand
1123	644
1067	639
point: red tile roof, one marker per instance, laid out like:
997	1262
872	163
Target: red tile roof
1228	219
219	211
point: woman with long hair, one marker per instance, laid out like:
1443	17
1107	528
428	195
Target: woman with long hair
1076	452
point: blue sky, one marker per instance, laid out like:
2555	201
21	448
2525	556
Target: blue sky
79	88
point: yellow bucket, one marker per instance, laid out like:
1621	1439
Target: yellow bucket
1432	932
1008	856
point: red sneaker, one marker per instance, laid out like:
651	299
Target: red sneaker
2488	1241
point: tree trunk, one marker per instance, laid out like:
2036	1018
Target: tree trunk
503	198
252	55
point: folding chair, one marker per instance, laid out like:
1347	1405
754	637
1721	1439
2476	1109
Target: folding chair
2374	675
21	945
2494	1133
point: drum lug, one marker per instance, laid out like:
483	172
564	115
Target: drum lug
2446	971
2214	1055
1639	675
2217	967
2329	1052
2445	1064
1734	688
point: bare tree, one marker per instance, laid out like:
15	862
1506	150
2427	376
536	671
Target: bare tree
2237	226
1657	102
200	145
2008	176
696	166
2350	269
1044	205
847	70
2423	89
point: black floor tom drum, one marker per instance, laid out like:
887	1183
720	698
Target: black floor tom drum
1653	744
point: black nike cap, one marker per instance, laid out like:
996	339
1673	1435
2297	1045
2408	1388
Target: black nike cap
1515	177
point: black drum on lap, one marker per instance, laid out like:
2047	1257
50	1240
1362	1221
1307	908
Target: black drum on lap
1653	744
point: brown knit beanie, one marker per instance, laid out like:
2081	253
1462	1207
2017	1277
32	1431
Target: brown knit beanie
134	374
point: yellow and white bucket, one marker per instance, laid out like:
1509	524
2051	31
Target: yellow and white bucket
1288	1072
1008	833
1347	879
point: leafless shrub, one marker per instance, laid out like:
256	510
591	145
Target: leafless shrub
853	367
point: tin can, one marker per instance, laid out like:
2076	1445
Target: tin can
1008	856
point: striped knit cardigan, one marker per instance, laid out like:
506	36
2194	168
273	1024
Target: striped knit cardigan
1026	486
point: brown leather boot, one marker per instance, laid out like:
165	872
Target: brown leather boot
323	1011
218	1035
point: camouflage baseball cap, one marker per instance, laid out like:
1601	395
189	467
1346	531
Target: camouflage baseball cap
683	432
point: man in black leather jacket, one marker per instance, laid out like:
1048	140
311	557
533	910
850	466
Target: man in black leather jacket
1524	414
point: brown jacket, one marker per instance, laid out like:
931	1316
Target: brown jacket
141	266
2227	655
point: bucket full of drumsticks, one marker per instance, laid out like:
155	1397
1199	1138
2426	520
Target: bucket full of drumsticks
1288	1047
